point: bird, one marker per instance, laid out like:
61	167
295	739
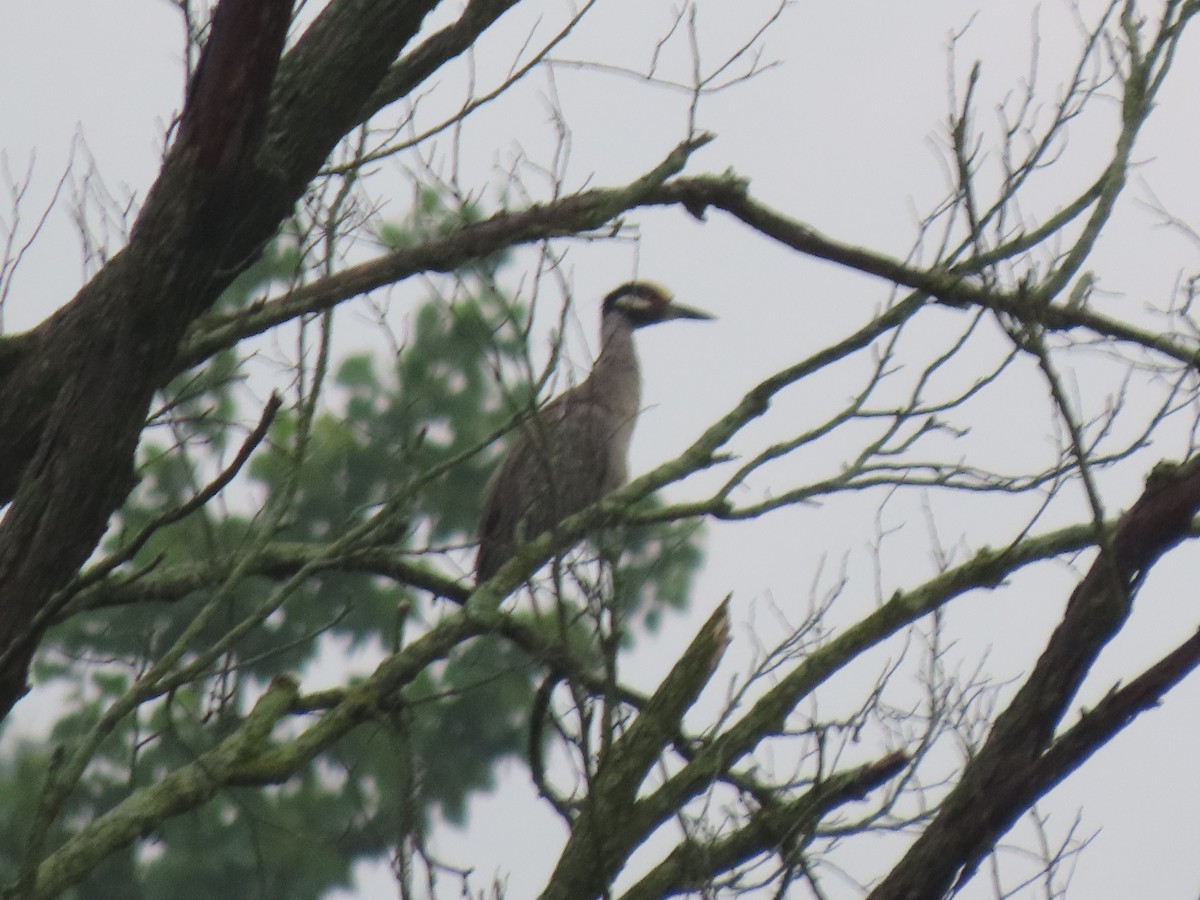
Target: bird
575	449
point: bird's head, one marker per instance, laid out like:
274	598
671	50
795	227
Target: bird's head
645	303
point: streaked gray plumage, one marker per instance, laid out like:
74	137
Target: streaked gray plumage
575	450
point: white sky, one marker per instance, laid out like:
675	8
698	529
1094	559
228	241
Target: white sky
841	135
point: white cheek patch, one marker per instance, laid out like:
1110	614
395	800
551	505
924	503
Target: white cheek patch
636	305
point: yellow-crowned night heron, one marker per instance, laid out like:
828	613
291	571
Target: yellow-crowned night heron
574	451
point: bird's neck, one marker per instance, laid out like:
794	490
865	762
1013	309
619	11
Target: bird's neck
616	375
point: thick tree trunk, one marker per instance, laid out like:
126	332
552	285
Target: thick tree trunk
75	391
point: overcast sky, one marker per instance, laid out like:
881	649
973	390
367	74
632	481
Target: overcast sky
842	134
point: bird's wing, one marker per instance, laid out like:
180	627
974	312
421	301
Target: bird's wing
559	464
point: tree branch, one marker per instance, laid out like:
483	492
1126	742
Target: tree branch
988	797
782	828
602	835
570	216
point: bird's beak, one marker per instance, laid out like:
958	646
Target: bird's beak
679	311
